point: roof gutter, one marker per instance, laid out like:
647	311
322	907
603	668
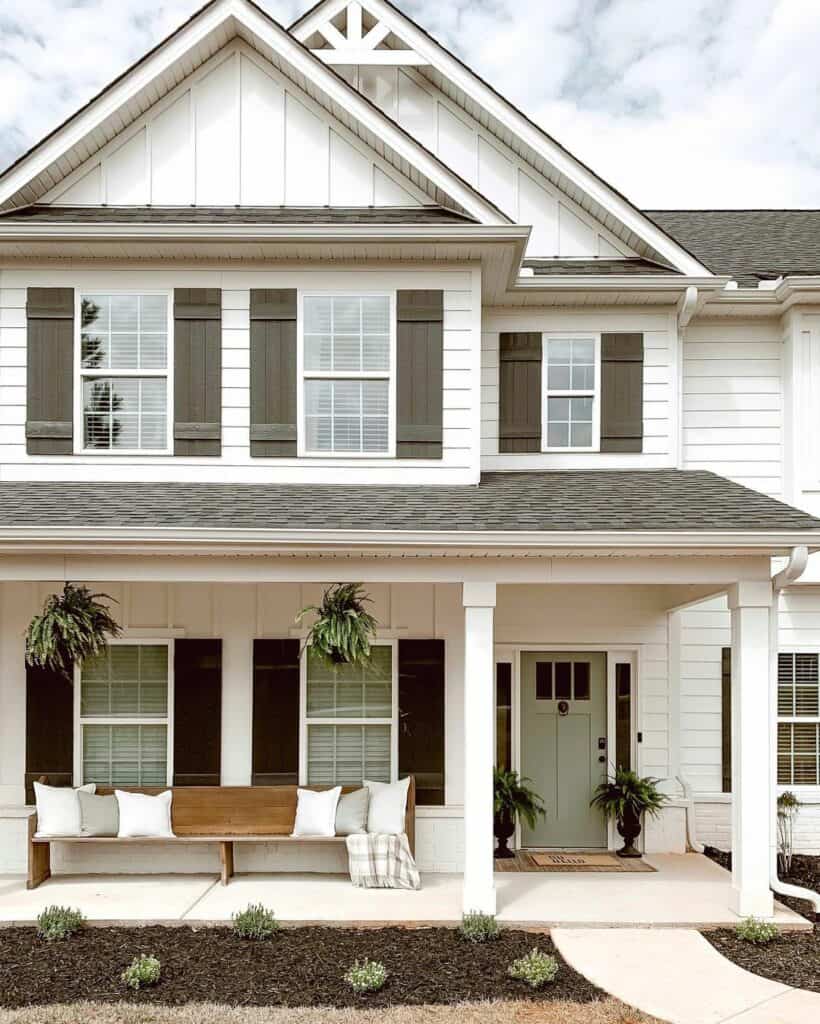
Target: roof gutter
620	282
794	569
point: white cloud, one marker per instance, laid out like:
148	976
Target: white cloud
699	103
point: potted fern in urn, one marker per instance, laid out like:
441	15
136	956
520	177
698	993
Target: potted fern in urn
627	798
343	631
513	799
72	626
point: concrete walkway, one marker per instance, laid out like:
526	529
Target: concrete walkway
677	976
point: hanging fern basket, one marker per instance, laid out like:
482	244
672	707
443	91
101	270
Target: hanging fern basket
71	627
344	631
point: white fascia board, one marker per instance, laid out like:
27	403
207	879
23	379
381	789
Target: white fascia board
618	282
665	542
300	58
469	83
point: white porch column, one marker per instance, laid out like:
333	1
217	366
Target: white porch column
479	755
749	603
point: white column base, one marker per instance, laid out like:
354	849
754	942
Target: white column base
479	898
749	902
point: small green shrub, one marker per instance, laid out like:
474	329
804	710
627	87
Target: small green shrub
478	927
144	970
255	922
536	968
368	976
58	923
752	929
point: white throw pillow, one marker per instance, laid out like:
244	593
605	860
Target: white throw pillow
316	812
146	817
388	805
58	809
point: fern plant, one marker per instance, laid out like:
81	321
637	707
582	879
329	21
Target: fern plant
344	630
72	626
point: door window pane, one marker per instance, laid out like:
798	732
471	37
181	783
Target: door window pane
543	680
623	716
503	716
563	680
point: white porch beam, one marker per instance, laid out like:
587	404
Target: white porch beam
479	711
750	604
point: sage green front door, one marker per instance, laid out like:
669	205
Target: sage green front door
563	746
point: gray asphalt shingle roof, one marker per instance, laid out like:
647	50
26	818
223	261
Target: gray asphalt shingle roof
210	215
749	245
666	500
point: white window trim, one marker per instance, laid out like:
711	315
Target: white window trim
547	393
79	373
393	721
167	719
799	789
302	375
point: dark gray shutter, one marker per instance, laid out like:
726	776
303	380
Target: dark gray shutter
197	371
519	393
421	717
197	712
420	374
49	728
275	713
273	372
621	392
50	372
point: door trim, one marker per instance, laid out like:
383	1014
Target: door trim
615	655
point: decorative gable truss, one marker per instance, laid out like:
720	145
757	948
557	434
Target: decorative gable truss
482	137
237	132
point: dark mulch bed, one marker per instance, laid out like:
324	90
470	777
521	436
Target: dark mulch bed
793	958
298	967
805	871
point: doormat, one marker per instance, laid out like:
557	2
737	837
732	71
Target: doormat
591	862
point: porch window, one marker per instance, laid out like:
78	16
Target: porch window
350	716
123	369
571	368
798	727
123	709
348	375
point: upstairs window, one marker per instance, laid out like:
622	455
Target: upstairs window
348	375
571	371
798	726
124	364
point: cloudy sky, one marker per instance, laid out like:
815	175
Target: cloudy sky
677	103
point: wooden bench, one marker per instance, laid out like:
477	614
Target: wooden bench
213	814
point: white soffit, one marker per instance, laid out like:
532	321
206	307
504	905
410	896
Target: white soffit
502	119
165	67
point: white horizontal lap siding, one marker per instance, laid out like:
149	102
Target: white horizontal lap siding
733	402
460	399
705	631
659	384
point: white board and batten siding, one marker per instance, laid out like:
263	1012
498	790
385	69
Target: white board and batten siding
660	386
560	227
462	327
705	630
733	402
236	132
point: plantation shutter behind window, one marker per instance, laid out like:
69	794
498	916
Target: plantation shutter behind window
275	713
198	371
420	374
519	396
50	371
621	392
421	717
197	712
273	372
49	729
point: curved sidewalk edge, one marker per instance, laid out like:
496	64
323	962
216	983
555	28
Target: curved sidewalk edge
677	976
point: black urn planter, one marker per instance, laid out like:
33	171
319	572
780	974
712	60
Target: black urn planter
629	828
503	829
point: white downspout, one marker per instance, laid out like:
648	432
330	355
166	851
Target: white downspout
795	567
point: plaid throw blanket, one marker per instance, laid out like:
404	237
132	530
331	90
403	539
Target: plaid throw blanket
382	862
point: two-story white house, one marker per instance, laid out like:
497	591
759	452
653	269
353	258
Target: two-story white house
282	308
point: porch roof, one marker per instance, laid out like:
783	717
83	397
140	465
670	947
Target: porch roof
617	501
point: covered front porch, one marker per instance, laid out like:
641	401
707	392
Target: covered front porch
485	610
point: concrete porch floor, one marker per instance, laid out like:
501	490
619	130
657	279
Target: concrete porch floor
685	891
